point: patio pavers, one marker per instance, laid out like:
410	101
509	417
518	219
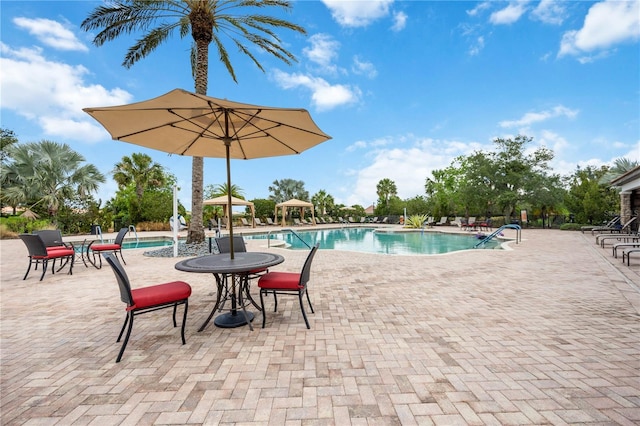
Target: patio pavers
545	333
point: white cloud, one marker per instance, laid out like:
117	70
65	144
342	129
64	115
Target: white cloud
323	51
407	167
324	95
476	48
536	117
357	13
479	8
360	67
550	12
52	94
51	33
399	21
509	14
606	24
553	141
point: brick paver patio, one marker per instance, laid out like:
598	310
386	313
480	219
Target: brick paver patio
545	333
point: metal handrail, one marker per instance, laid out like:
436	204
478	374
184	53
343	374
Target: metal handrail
486	239
287	230
133	228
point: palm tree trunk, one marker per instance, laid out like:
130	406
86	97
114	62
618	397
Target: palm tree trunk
201	29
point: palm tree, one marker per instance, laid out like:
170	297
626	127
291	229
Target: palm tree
620	167
214	191
50	173
140	170
385	189
206	21
322	201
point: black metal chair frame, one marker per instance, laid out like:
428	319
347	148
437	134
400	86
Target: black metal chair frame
305	275
126	297
53	238
38	254
92	255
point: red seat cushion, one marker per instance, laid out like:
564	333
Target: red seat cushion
280	281
55	254
101	247
159	294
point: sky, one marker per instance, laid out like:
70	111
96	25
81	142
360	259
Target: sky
402	87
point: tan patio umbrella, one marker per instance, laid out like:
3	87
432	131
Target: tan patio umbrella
295	203
224	201
185	123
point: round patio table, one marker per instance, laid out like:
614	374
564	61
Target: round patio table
238	269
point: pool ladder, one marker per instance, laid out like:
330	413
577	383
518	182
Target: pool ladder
133	228
498	231
286	230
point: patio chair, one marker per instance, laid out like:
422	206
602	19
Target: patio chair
297	222
148	299
38	253
616	228
259	222
609	225
290	283
270	222
52	239
244	222
443	221
96	249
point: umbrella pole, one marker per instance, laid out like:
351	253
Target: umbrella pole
227	144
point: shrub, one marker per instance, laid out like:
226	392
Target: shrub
6	233
571	226
415	221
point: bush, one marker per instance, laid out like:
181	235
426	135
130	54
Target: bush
6	233
153	226
571	226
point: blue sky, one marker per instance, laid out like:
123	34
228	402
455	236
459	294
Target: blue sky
403	87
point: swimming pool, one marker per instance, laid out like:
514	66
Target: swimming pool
372	240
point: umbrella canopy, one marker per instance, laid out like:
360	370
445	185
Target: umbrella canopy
186	123
295	203
224	201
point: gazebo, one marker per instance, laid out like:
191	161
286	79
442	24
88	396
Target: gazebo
294	203
223	201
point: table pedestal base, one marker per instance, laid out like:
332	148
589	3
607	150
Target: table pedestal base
231	320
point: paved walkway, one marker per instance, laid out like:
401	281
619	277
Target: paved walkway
545	333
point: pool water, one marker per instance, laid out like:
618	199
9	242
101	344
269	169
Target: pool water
369	240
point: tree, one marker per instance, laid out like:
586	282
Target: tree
286	189
620	167
140	171
386	189
7	139
590	200
207	21
49	173
214	191
322	202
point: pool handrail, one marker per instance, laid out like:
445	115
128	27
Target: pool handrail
287	230
486	239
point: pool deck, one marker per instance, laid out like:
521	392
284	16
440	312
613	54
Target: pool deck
547	332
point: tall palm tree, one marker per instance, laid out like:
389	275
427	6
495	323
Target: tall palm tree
50	173
322	201
207	21
386	188
219	190
140	170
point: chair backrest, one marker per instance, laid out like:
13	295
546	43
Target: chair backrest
306	268
224	245
35	245
270	221
120	237
213	223
121	277
50	237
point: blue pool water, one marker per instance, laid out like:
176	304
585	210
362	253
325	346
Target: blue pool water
370	241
